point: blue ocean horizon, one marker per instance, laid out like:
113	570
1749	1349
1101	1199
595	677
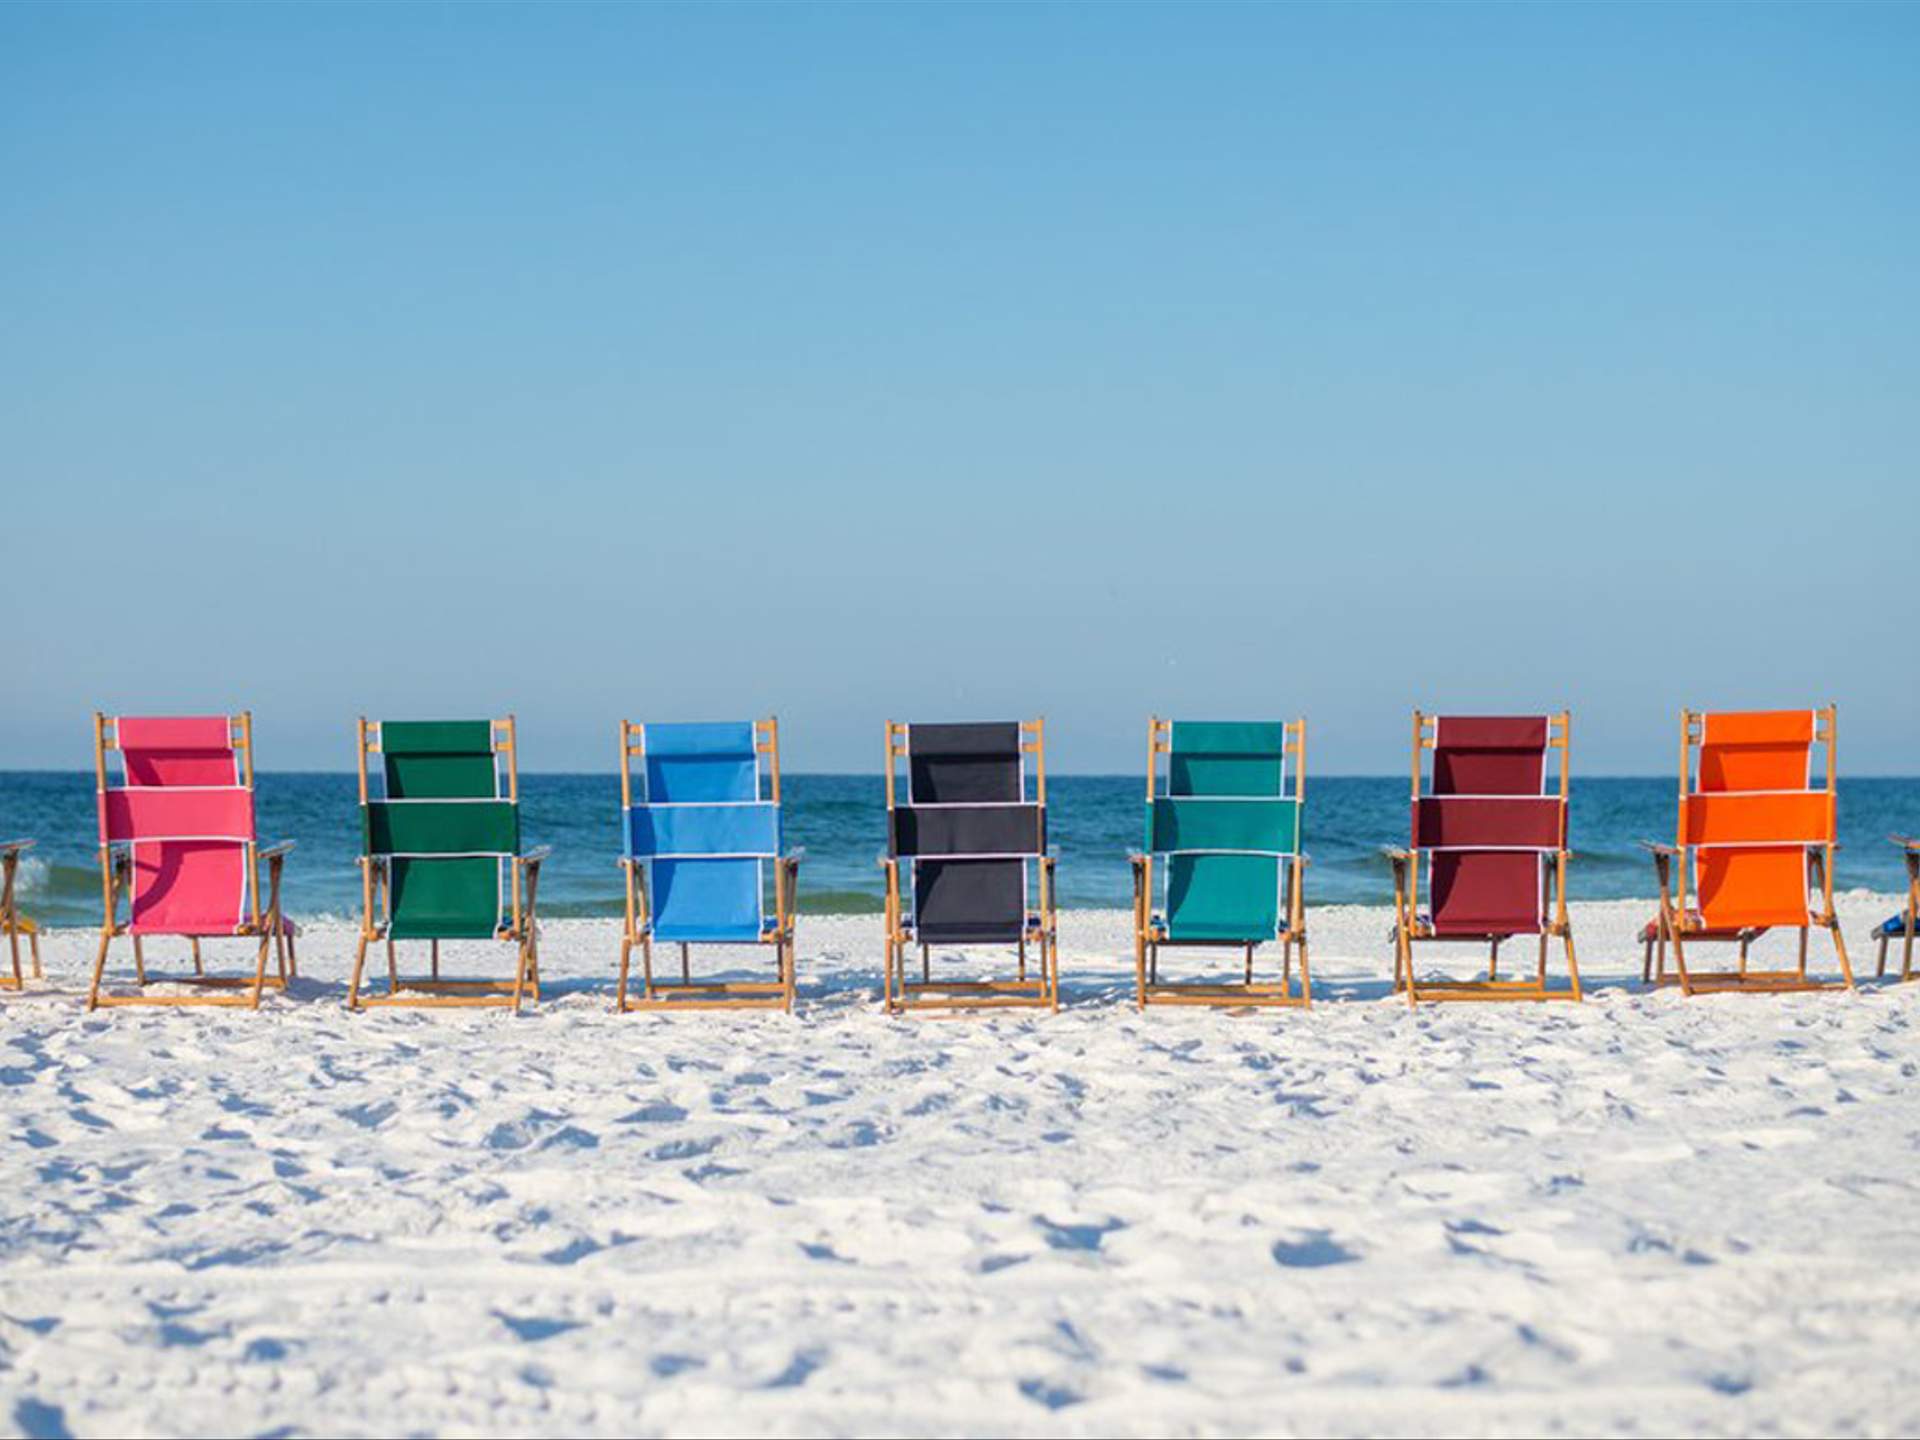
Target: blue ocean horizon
840	820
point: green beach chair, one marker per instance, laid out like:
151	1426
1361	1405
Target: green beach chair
1223	844
441	857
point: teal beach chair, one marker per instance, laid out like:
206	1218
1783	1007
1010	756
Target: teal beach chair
1222	866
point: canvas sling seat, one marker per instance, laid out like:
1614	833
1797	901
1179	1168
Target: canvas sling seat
701	817
441	858
1487	856
1754	840
1221	864
178	847
967	862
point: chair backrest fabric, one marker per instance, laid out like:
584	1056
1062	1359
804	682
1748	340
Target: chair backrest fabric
445	828
703	830
1486	826
1225	824
1750	816
968	830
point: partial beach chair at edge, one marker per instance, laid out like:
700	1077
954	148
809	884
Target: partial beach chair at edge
966	850
177	842
1223	838
1754	838
1903	925
701	836
1492	830
441	858
16	924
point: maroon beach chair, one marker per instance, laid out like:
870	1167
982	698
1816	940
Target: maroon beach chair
1488	858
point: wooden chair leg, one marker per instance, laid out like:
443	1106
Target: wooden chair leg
139	961
646	965
359	965
620	989
260	971
1880	968
1249	965
1840	949
193	942
1306	978
434	957
393	969
1803	951
99	969
686	964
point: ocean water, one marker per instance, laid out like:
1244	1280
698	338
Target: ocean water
841	820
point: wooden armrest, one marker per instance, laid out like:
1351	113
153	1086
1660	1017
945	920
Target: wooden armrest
11	848
1655	847
279	850
533	857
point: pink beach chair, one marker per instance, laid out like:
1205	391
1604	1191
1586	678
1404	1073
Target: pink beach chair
177	842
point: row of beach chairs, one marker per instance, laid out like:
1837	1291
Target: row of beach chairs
1221	866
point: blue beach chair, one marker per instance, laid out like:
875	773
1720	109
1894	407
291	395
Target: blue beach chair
1905	924
702	844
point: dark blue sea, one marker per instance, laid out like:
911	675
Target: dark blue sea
841	821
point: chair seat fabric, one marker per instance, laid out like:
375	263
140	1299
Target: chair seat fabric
1223	897
1488	892
1893	925
693	898
446	899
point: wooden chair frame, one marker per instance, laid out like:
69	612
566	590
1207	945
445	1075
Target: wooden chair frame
1677	924
1042	931
1409	928
1149	939
521	931
12	920
268	925
1911	849
686	993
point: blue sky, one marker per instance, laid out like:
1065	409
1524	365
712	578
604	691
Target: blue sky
959	362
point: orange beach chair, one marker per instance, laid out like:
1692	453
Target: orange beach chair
1755	838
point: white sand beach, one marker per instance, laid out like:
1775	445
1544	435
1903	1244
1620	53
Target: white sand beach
1643	1214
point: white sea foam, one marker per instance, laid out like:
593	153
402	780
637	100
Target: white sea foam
1641	1214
